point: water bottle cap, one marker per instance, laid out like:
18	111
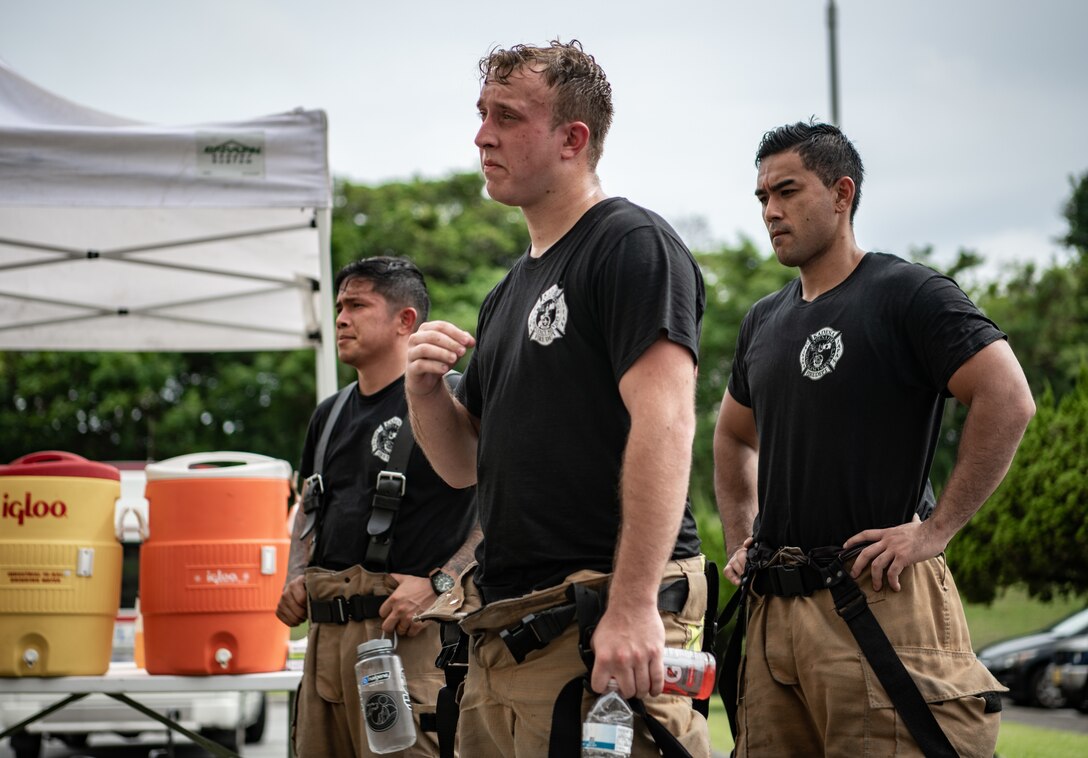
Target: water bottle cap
375	646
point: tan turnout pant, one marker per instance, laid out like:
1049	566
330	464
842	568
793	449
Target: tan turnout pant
328	722
806	689
506	710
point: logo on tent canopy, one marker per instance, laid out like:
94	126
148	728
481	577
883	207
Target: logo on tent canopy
235	155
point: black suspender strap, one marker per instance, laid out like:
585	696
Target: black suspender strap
727	646
388	491
314	486
850	603
453	660
710	626
566	735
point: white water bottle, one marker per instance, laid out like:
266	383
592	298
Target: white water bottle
608	730
383	697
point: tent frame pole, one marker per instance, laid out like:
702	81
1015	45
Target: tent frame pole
325	355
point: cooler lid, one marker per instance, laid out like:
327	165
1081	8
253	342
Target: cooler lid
59	463
224	464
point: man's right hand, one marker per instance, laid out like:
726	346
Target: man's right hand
432	351
291	609
734	568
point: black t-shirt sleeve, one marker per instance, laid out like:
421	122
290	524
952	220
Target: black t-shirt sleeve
738	377
946	329
646	285
468	391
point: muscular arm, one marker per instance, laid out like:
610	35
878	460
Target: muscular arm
414	594
658	391
466	554
291	608
444	428
992	385
736	455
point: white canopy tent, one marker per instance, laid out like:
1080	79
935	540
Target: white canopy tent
119	235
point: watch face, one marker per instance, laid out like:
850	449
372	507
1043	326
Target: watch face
441	582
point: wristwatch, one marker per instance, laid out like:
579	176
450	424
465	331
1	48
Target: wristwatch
441	582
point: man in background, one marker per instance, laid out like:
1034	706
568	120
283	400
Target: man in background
380	302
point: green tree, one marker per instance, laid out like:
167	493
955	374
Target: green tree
462	241
150	406
1045	311
735	278
1033	529
1076	213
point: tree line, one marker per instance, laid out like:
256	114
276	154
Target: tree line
152	406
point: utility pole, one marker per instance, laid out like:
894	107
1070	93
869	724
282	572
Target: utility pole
833	55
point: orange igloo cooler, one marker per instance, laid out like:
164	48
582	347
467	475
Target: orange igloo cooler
60	565
213	565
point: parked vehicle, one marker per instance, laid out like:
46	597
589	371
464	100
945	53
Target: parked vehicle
1021	663
1069	671
225	717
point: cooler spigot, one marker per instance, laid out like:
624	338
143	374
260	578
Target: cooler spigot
30	657
222	657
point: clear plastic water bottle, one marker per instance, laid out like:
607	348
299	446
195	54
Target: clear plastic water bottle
608	730
383	698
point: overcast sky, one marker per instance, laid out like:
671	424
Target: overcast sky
970	115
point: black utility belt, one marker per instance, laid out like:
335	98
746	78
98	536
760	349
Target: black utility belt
341	609
797	580
537	630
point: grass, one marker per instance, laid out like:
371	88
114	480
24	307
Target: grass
1011	614
1014	740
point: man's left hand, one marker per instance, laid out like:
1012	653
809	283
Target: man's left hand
893	550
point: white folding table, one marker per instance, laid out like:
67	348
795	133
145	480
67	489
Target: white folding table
123	680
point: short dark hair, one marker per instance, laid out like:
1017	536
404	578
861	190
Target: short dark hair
582	91
824	150
395	278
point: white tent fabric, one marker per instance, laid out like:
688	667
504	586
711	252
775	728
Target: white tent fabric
118	235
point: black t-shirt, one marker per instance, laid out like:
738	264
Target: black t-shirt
554	339
433	520
848	392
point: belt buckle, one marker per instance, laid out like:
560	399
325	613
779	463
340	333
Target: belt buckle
394	478
451	637
516	641
787	581
447	656
522	627
312	482
340	610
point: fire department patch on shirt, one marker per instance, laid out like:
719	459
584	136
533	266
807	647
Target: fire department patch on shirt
820	353
548	319
381	444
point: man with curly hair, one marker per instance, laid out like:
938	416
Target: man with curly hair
575	419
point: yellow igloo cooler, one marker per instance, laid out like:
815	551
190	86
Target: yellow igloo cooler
213	565
60	565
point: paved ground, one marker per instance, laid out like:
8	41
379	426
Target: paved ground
274	744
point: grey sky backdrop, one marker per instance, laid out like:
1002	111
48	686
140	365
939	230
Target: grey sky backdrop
970	115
